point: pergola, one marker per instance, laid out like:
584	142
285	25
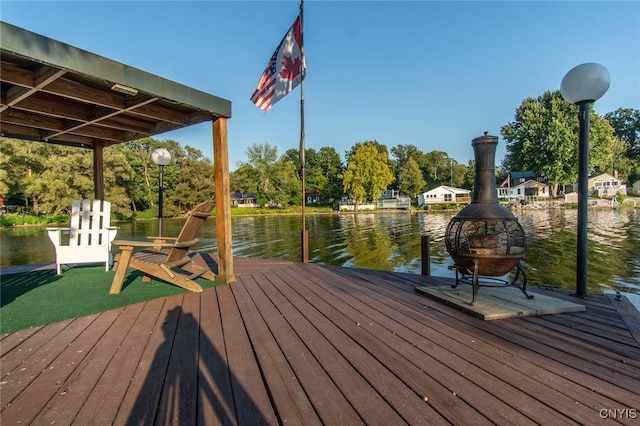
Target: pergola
56	93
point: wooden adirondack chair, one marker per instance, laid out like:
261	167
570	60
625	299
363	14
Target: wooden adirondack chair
90	235
155	263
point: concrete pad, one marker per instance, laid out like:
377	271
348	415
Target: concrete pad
498	302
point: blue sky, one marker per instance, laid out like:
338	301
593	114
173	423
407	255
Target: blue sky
427	73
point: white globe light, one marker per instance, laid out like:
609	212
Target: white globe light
586	82
161	156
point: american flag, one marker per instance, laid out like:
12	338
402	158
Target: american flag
284	72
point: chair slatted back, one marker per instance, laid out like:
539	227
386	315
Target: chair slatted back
89	218
190	230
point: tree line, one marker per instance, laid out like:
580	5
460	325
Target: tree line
542	138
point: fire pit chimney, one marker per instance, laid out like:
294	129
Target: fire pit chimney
484	149
484	202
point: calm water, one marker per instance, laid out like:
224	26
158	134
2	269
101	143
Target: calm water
391	242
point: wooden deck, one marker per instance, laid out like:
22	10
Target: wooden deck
308	344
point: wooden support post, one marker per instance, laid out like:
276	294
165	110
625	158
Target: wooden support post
98	169
425	254
223	200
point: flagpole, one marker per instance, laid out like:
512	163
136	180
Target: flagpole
305	236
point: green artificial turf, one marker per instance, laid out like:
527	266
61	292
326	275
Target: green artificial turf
36	298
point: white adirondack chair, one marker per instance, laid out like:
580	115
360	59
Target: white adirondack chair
90	235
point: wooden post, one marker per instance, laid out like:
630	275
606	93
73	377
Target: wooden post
98	169
223	200
425	254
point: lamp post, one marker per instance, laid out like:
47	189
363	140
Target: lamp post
161	157
581	86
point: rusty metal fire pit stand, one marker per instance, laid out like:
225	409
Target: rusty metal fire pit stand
465	276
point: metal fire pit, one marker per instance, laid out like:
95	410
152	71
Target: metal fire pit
485	239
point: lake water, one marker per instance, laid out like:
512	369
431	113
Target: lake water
391	242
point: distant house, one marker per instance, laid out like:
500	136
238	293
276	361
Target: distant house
313	196
444	194
347	203
635	188
523	185
243	200
392	199
602	186
606	186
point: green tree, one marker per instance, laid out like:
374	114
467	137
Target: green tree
402	154
609	151
193	179
68	176
331	167
262	157
24	162
381	148
410	180
118	175
367	173
312	173
244	179
437	168
288	189
460	173
142	191
275	178
543	139
626	126
468	175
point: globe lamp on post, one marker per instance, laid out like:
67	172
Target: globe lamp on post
161	157
582	86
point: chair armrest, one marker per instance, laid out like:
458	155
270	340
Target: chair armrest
151	237
131	243
55	235
112	231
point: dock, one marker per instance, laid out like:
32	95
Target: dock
304	344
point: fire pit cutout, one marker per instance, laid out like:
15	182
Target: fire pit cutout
485	239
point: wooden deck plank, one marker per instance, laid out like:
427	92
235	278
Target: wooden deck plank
548	362
490	377
399	349
51	379
22	351
629	314
214	380
250	396
293	343
106	396
39	357
179	391
67	403
11	340
285	389
546	330
140	404
407	403
597	335
317	333
330	404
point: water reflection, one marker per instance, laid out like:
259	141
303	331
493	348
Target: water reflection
391	242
